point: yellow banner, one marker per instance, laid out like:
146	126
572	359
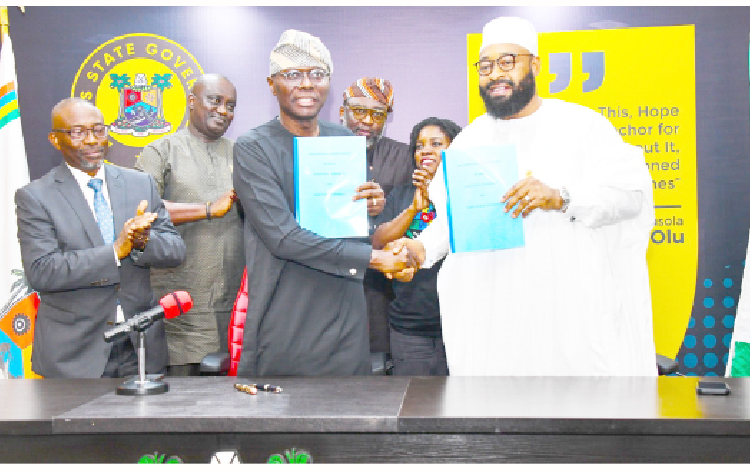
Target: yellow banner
643	81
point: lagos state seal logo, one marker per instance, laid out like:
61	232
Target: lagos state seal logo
141	111
140	82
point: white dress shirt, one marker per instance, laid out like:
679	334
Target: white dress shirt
88	193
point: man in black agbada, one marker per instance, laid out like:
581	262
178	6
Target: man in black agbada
306	311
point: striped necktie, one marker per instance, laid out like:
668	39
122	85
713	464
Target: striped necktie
103	213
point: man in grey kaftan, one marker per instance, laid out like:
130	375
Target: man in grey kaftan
193	171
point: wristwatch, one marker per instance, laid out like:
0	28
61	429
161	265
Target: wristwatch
565	198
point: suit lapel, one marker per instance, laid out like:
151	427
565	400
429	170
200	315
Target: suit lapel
117	197
71	192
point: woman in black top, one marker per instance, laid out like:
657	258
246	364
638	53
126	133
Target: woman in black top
414	314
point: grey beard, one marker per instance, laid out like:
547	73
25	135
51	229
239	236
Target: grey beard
372	140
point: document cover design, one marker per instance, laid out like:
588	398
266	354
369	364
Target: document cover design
327	170
476	180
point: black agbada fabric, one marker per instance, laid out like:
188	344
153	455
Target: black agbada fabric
306	310
389	164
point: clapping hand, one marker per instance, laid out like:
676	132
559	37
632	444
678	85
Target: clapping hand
135	231
421	180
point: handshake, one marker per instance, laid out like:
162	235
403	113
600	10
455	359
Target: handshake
399	259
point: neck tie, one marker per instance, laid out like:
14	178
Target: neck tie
103	212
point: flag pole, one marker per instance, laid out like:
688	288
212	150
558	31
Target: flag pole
3	23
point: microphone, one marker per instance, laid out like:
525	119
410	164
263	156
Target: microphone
170	306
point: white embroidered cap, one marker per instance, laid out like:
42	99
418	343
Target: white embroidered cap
299	49
512	30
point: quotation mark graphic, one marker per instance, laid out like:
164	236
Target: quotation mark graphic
592	63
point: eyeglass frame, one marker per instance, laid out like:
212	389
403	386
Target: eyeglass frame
497	61
85	131
326	75
368	112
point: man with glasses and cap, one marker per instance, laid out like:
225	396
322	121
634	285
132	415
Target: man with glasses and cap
90	233
367	103
575	300
306	311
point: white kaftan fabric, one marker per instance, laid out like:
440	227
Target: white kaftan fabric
575	300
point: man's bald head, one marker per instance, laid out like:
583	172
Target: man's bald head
201	82
64	107
80	134
211	104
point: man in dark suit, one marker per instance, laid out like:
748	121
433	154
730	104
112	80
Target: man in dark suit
88	276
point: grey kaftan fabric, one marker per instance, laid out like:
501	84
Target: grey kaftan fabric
306	310
188	170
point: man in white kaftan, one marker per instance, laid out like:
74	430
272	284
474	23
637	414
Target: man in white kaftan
575	300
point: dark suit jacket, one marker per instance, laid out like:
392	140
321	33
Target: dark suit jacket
77	276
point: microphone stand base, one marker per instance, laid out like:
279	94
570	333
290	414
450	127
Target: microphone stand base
152	385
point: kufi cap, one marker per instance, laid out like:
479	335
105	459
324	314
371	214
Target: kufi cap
299	49
372	87
512	30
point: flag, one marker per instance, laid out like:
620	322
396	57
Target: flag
738	360
18	303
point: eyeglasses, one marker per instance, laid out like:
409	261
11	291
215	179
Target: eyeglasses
506	63
360	113
294	76
78	133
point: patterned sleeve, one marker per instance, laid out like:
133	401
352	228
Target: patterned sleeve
154	160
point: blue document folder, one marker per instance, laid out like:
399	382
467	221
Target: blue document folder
327	170
476	180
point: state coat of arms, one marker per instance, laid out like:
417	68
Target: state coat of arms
141	109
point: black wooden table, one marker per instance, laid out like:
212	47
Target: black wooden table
378	419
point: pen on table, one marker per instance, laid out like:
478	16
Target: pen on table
249	389
252	389
269	388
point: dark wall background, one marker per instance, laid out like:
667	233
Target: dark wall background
422	50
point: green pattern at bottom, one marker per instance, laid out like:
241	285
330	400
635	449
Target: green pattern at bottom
741	360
